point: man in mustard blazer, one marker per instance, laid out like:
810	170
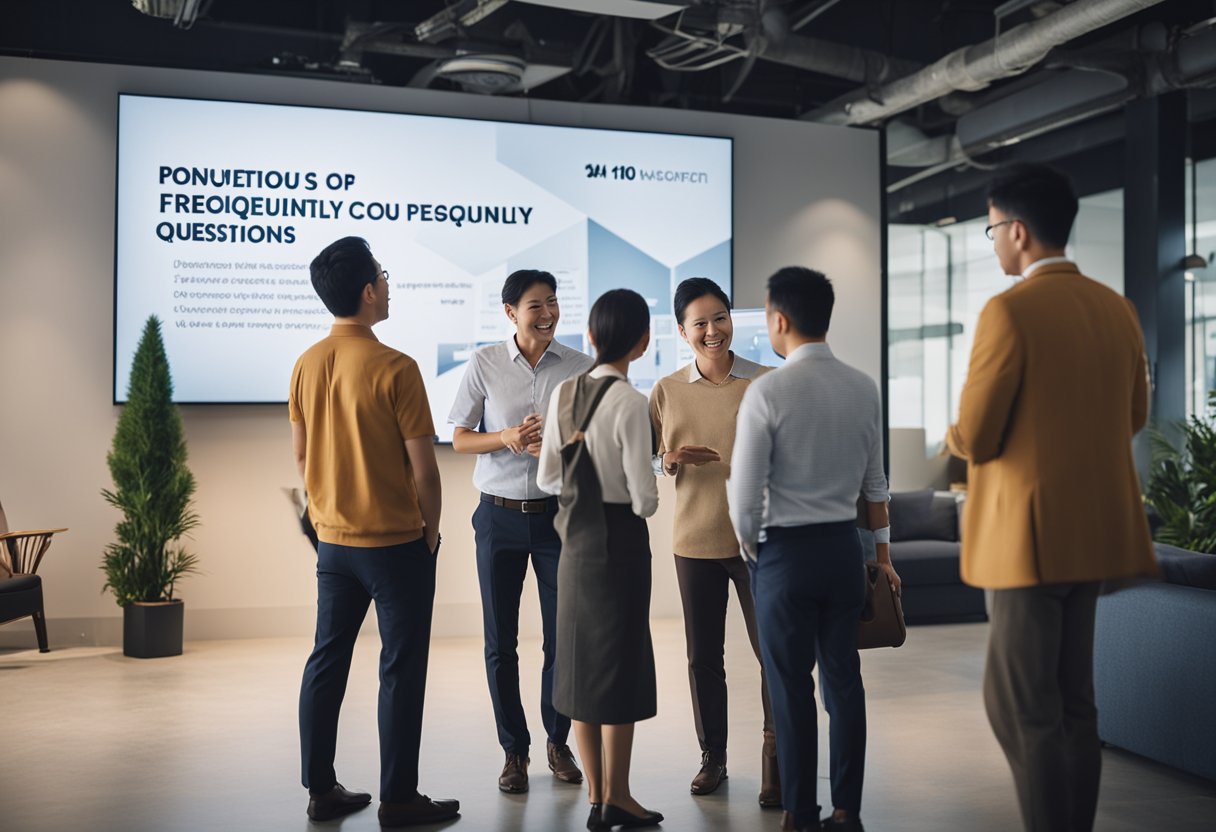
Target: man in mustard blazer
1056	388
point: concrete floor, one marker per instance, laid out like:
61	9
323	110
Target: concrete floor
94	741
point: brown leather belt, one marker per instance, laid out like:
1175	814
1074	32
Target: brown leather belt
526	506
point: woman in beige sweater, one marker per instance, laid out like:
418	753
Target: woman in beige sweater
693	411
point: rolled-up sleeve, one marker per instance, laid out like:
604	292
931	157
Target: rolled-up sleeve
470	403
751	462
549	469
874	486
656	421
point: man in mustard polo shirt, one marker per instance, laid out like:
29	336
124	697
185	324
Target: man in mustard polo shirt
363	439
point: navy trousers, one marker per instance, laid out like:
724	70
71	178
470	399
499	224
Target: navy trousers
506	538
809	583
401	580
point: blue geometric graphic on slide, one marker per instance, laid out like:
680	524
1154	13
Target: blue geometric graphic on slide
670	222
612	263
450	356
714	264
565	251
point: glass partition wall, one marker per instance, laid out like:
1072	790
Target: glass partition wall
1201	284
939	279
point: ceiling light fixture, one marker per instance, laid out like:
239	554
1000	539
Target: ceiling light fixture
1194	262
486	74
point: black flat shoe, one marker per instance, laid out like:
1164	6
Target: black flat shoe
615	817
595	820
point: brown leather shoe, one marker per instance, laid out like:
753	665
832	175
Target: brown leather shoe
561	763
711	775
418	811
514	777
336	802
770	777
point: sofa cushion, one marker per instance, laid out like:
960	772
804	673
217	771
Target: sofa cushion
1181	566
921	562
923	515
942	603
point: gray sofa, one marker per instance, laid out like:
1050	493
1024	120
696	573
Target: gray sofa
925	551
1155	664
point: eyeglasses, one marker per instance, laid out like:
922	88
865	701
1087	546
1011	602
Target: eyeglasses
988	230
384	274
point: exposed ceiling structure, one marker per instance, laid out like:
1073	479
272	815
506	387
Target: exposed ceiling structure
956	84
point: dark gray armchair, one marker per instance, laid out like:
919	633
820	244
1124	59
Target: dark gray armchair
925	535
21	554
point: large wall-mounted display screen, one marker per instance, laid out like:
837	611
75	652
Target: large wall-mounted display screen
222	205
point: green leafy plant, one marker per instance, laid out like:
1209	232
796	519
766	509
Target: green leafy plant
1182	482
152	485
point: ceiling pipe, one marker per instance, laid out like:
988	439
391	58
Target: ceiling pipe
975	67
1071	96
851	63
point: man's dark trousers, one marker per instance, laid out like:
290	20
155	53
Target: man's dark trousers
1039	694
505	539
809	583
401	580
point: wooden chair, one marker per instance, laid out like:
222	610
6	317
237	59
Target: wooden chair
20	588
25	550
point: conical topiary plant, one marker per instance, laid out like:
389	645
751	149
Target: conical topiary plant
152	485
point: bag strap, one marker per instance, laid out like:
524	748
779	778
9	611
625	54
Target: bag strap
595	402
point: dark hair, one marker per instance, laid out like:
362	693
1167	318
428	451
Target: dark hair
618	320
340	272
1041	197
805	297
693	288
521	281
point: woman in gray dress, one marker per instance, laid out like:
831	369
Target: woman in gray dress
595	455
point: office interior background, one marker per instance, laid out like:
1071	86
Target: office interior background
864	134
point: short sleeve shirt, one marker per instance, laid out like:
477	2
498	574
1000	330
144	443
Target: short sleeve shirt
499	390
359	401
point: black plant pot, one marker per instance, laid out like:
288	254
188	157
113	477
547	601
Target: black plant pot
150	631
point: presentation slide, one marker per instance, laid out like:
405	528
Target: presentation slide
222	206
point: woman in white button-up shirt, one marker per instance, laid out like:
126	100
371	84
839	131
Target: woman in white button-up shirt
604	674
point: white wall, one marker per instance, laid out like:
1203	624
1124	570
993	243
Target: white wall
806	194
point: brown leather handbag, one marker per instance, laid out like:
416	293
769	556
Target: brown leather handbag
882	617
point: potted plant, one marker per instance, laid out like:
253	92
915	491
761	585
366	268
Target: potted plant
1182	483
153	490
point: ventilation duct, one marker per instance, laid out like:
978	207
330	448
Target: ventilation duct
638	9
975	67
1064	98
1074	95
834	59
